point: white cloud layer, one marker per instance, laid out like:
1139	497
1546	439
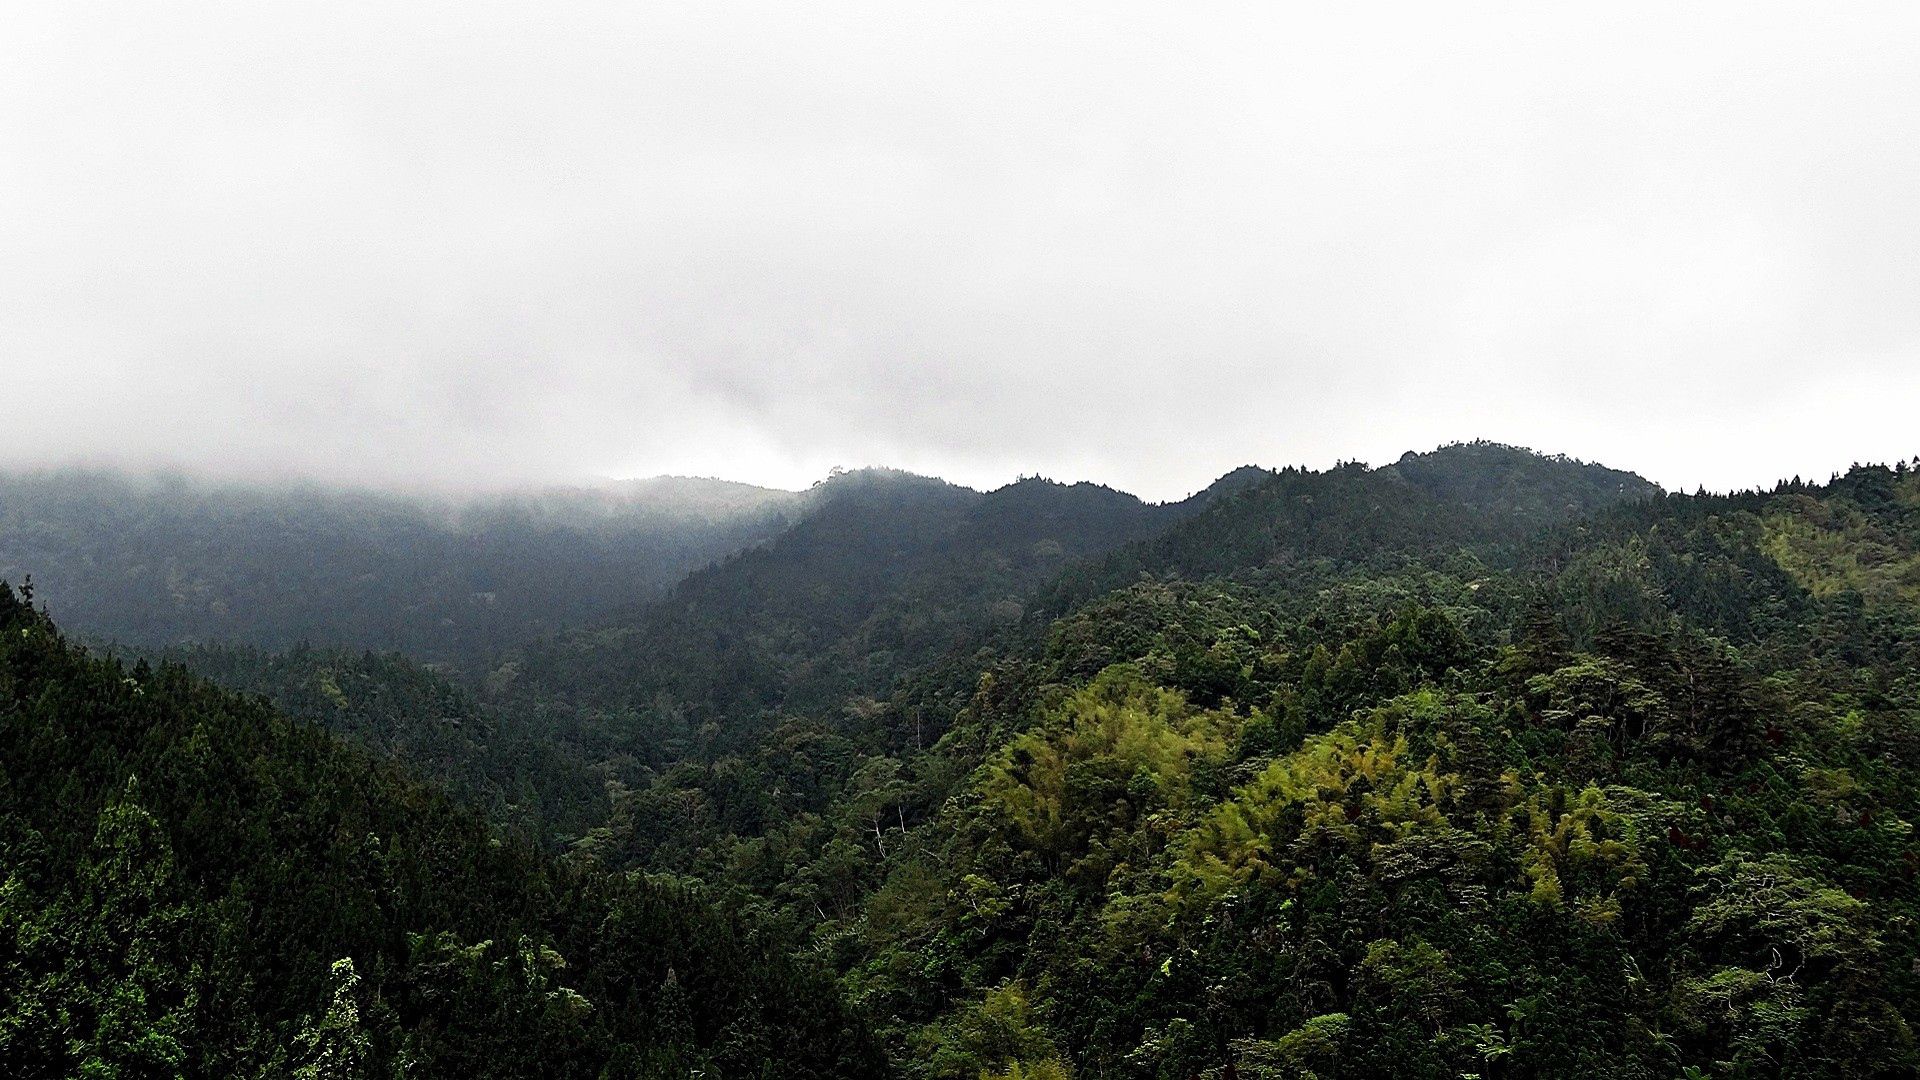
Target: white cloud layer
1138	243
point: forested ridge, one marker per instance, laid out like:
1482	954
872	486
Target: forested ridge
195	886
451	580
886	572
1481	763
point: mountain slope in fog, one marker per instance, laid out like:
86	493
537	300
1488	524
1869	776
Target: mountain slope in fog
444	579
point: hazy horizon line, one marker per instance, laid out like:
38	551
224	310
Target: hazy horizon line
423	486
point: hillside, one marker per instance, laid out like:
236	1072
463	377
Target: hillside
1468	500
157	562
1480	763
196	887
520	778
1630	796
885	572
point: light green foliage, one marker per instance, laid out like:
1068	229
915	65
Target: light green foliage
915	894
1580	852
1831	548
1779	935
1760	1015
1046	1069
994	1037
1409	979
1121	740
1299	1054
93	981
336	1044
1599	698
1769	907
1907	486
1352	787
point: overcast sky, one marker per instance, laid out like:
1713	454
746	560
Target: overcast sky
1139	244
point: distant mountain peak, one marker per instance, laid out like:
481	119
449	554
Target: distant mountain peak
1237	480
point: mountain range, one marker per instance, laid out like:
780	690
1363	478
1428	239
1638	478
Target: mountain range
1482	762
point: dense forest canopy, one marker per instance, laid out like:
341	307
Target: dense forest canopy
195	886
886	571
1481	763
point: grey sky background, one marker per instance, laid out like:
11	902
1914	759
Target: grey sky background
1135	243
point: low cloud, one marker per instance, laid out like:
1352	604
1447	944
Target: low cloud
503	242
